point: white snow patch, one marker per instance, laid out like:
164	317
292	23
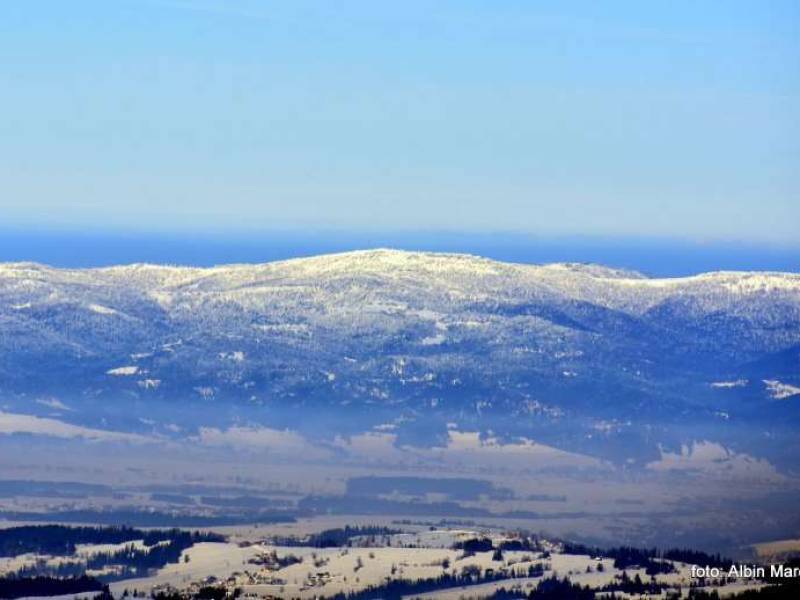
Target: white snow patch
729	384
433	340
12	423
123	371
101	310
205	391
53	403
779	390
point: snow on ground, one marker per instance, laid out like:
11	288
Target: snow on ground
779	390
87	550
13	423
149	384
262	569
54	403
10	564
729	384
123	371
329	571
438	538
324	572
205	559
101	310
433	340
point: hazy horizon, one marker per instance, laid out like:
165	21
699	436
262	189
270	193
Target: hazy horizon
667	257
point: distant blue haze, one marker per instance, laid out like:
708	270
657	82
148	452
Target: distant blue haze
658	257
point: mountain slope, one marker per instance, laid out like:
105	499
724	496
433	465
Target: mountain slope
431	333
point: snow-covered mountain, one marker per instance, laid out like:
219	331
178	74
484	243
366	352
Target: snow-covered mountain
383	317
444	333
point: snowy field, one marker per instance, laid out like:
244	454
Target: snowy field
261	569
283	561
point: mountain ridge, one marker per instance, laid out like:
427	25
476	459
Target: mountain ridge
397	303
588	268
558	349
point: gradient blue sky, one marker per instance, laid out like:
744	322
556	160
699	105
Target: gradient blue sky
676	119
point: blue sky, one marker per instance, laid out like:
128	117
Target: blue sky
674	119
